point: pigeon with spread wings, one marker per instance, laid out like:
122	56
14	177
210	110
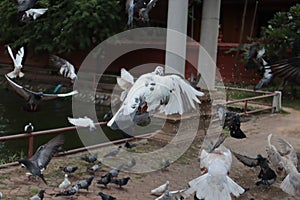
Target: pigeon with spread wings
33	98
33	14
284	158
168	94
17	63
266	174
43	155
66	69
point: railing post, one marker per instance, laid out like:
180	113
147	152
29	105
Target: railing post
30	146
245	107
276	101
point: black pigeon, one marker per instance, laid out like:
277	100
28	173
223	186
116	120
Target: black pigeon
232	121
113	153
129	145
121	182
34	98
106	196
266	174
24	5
90	159
39	196
69	192
68	169
85	183
42	157
106	179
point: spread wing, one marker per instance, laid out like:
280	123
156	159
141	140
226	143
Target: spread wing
18	88
125	82
287	69
151	4
65	67
248	161
38	11
45	152
45	96
84	122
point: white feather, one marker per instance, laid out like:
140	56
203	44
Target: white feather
17	63
66	183
160	189
35	13
83	122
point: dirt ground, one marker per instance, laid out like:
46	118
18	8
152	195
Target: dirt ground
15	185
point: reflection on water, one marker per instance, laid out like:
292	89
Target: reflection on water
51	114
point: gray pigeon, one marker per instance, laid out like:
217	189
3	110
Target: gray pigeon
90	159
68	169
42	157
113	153
85	183
165	164
96	167
106	179
122	181
69	192
106	196
25	5
38	196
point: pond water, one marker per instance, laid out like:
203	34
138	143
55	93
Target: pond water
51	114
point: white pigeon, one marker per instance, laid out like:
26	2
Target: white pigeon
66	69
17	63
83	122
160	189
168	94
214	183
65	184
33	13
171	195
283	157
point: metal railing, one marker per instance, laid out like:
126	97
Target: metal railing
275	106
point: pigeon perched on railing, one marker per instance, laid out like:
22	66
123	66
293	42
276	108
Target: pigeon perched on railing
169	94
284	158
29	128
17	63
266	174
41	158
38	196
34	98
66	69
214	183
33	14
83	122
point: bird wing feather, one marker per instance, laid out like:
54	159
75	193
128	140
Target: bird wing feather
285	149
18	88
19	57
248	161
84	122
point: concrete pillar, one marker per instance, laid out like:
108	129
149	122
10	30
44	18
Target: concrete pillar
209	42
176	43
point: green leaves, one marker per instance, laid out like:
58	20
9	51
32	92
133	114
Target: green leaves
67	25
282	33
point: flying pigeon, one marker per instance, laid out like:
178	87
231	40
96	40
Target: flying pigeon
69	192
266	174
90	158
106	196
85	184
232	121
168	94
83	122
215	182
65	184
104	180
42	157
144	12
38	196
33	14
160	189
17	63
68	169
255	59
121	182
24	5
29	128
33	98
283	156
113	153
288	70
66	69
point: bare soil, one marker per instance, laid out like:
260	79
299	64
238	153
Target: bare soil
14	184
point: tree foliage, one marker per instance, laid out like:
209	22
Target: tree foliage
282	34
67	25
